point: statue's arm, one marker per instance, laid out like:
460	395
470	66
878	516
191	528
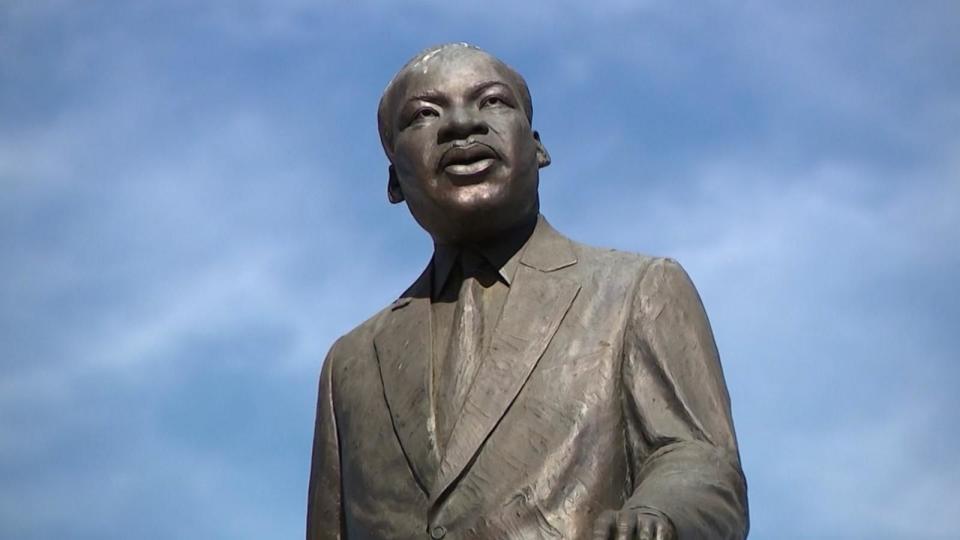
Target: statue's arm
686	464
324	503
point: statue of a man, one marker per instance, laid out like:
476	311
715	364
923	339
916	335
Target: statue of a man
525	386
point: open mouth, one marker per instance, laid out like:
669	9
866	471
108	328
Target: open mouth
468	160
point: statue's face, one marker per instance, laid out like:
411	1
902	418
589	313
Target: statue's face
464	155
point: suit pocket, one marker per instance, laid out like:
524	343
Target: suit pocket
522	513
544	524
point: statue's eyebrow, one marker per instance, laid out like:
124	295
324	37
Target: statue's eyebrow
480	87
438	97
433	96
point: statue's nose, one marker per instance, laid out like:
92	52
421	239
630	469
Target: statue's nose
461	123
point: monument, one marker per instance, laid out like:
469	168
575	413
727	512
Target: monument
525	386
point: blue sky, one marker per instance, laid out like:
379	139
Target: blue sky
192	208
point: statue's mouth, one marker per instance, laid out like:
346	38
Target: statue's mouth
468	160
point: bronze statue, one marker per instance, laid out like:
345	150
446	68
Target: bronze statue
525	386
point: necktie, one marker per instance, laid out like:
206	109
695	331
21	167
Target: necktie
464	349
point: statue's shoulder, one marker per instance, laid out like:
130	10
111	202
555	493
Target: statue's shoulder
644	274
553	249
359	340
610	262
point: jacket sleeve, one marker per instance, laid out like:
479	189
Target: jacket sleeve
685	461
324	497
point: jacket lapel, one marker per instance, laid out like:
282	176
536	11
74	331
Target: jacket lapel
404	348
534	308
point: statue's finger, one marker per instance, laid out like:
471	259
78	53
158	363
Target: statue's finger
603	528
626	525
646	527
664	531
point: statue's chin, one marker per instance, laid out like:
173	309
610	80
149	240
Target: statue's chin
483	221
476	212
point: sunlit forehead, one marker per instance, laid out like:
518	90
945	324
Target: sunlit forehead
440	75
458	78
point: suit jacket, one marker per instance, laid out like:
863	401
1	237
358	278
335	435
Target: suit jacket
602	389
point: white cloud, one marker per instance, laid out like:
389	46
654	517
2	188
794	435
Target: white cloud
883	476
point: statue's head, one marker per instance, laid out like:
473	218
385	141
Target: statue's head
455	123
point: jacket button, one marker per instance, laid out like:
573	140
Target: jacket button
438	532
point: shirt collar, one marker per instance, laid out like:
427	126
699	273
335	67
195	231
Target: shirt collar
503	253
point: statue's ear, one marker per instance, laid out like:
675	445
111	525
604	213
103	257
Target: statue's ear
394	193
543	157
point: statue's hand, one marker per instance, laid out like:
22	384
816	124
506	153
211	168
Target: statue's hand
633	524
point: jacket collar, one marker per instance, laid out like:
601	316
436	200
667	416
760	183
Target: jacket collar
502	253
547	250
538	299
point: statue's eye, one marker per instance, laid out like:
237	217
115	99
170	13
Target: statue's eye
493	101
425	113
